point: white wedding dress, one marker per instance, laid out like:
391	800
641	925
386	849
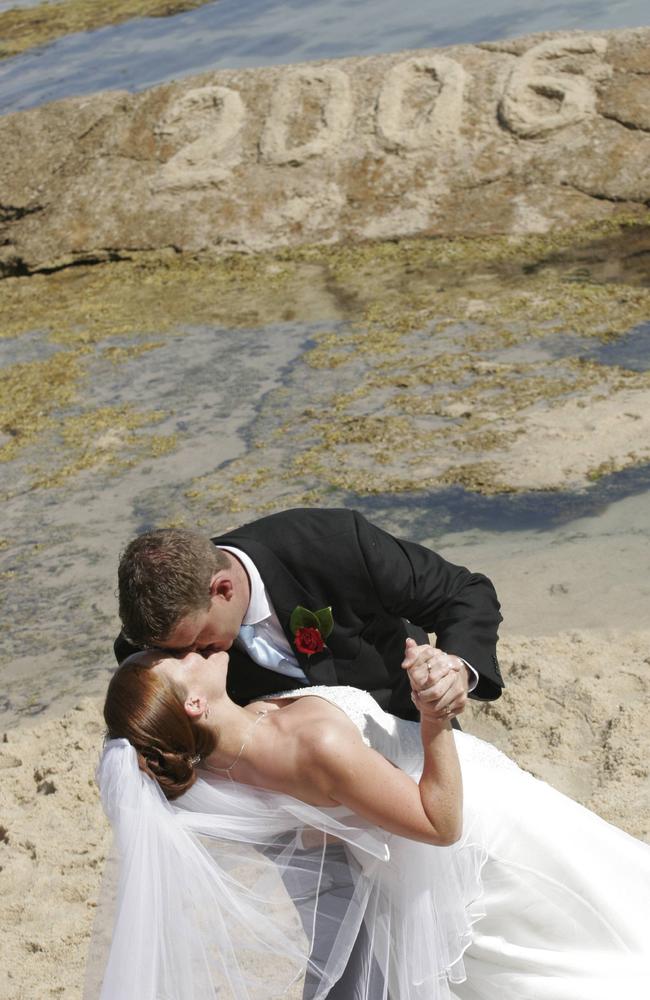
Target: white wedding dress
221	894
564	912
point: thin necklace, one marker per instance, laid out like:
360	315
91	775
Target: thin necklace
261	714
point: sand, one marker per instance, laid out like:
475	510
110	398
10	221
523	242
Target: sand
573	714
54	841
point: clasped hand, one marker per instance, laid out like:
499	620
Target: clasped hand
439	680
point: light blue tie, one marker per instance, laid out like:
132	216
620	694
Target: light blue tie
258	648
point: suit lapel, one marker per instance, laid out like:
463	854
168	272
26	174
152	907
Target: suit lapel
319	667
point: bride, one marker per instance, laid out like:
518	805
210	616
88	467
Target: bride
256	845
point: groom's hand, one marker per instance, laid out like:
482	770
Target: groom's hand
439	680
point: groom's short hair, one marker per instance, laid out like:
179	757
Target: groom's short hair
163	576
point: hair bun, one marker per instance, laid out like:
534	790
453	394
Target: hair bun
173	771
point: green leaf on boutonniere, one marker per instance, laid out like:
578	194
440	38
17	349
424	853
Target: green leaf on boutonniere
304	618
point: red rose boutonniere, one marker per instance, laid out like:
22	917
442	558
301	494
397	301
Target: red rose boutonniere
310	629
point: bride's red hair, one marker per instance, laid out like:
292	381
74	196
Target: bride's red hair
146	708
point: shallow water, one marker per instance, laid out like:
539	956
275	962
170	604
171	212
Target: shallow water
436	514
631	351
242	33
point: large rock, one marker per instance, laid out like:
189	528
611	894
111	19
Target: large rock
515	137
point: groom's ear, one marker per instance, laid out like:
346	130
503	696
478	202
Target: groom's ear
221	585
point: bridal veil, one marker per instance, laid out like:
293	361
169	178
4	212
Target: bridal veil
236	892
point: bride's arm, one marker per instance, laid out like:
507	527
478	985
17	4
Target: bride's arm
352	774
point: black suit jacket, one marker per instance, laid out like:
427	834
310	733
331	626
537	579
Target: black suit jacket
380	588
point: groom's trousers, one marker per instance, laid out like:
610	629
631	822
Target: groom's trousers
332	876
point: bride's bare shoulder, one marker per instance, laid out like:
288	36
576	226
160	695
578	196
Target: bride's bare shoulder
307	733
314	722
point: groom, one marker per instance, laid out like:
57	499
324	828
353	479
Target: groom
244	591
181	591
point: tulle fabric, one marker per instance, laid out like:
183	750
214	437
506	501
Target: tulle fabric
235	892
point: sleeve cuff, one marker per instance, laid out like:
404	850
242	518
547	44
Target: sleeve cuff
472	676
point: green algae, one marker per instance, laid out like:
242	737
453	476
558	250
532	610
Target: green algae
110	312
104	438
422	391
155	293
118	355
366	268
411	407
612	465
479	477
38	403
27	27
32	394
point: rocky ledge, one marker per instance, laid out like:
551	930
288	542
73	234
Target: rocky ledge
515	137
